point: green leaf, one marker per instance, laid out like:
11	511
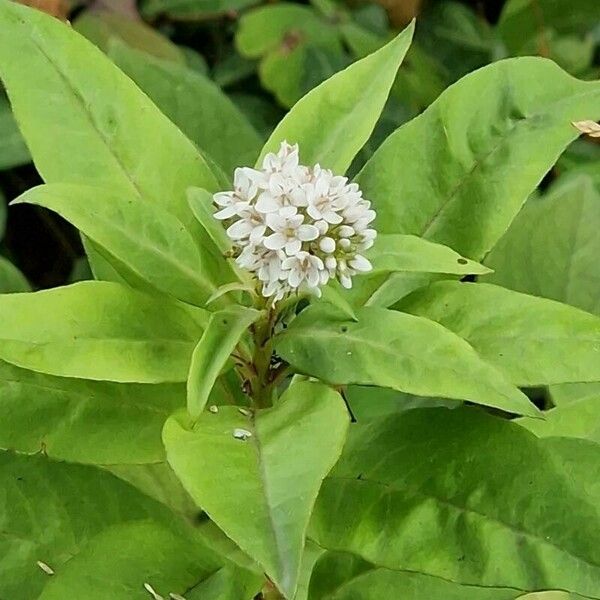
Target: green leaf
56	513
222	334
345	576
458	185
534	341
99	330
409	253
11	279
395	350
196	105
311	420
429	490
552	247
101	27
193	9
13	151
111	135
120	561
579	419
84	421
147	239
201	204
333	122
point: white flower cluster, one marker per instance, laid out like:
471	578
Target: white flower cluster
296	227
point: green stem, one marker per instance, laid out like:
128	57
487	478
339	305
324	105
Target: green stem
261	384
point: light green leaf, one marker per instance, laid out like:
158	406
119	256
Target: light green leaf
579	419
111	135
13	151
429	490
118	563
222	334
566	393
334	295
345	576
99	330
50	511
552	247
11	279
147	239
409	253
193	9
534	341
311	421
196	105
201	204
101	27
449	175
84	421
333	122
395	350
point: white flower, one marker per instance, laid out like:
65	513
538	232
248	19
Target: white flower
295	227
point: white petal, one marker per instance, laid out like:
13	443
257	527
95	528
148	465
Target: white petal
266	203
224	198
360	263
313	277
346	231
295	277
332	217
346	281
344	243
293	247
239	229
307	233
226	213
288	211
276	241
327	245
257	233
276	222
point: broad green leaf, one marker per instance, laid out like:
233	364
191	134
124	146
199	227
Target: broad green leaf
201	204
310	421
99	330
111	135
49	512
193	9
522	20
146	238
395	350
409	253
552	247
196	105
11	279
220	338
13	151
333	122
449	175
101	27
345	576
578	419
534	341
118	562
431	491
333	293
84	421
567	393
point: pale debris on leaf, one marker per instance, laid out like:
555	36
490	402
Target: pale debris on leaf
241	434
152	592
590	128
44	567
244	411
213	409
175	596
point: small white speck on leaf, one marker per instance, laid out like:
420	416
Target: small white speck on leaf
152	592
44	567
244	411
213	409
175	596
241	434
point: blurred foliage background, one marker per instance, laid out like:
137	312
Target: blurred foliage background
225	71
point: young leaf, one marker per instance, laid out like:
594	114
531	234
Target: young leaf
396	252
221	336
147	239
426	490
552	247
195	104
11	279
534	341
333	121
109	133
99	330
391	349
462	189
255	458
201	205
13	151
84	421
